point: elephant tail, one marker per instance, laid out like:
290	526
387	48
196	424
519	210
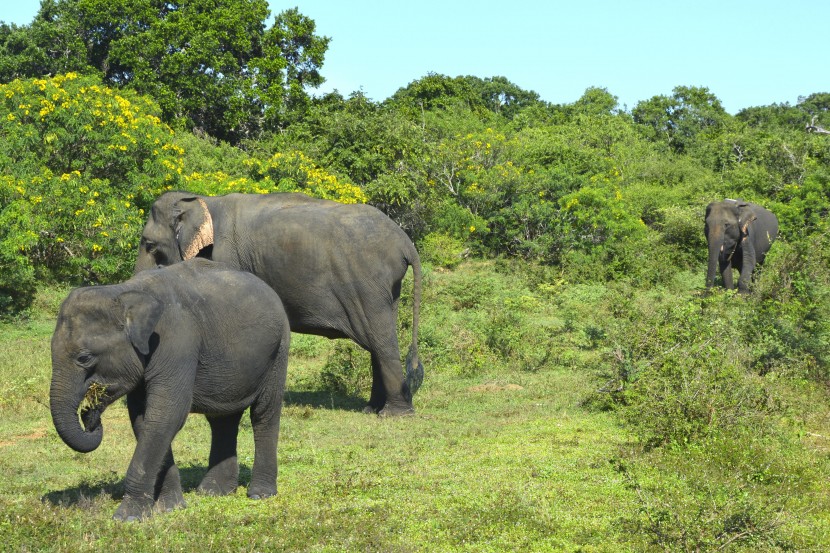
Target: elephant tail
414	367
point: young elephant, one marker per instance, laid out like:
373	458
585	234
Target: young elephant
195	337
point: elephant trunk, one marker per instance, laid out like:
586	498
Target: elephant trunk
143	262
715	249
64	401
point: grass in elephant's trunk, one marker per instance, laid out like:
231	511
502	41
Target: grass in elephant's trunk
92	405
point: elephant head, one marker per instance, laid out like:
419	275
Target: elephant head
101	340
726	226
179	227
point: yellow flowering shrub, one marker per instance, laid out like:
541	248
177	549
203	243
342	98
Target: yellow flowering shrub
282	172
80	163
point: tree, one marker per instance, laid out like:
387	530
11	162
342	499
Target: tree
596	101
502	96
679	119
437	91
211	65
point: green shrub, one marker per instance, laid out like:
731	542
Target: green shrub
679	368
788	326
347	370
17	283
733	488
442	250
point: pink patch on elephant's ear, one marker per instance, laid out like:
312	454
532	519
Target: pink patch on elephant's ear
204	236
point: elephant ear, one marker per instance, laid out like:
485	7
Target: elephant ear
745	216
141	313
193	226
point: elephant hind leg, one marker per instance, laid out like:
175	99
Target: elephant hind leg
377	399
265	422
389	378
222	477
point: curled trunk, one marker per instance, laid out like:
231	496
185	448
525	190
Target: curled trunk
64	403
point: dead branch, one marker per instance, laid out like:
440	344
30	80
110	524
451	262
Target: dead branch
812	127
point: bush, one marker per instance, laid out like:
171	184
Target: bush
347	370
442	250
17	283
679	369
81	164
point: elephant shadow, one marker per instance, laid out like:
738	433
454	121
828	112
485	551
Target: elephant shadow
84	494
324	400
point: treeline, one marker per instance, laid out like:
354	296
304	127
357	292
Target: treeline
146	96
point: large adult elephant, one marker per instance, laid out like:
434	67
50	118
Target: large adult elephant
739	235
337	268
197	337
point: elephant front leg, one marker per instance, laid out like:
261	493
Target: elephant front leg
747	268
726	273
222	477
168	494
152	479
145	477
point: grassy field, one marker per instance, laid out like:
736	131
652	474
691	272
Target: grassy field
507	452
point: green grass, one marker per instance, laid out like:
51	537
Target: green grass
506	451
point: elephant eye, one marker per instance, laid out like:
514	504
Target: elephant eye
151	247
85	359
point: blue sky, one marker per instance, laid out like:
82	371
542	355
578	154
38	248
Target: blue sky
746	52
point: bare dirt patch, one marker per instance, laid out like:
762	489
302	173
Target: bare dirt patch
37	434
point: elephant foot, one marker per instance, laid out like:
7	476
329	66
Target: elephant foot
170	502
396	410
210	486
262	492
133	510
370	410
170	495
222	479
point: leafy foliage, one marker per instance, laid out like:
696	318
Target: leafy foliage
209	66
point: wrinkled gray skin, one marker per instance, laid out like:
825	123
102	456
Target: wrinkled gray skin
337	268
739	235
197	337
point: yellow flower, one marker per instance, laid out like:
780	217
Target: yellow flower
96	248
472	229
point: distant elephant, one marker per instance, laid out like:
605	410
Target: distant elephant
198	337
739	234
337	268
